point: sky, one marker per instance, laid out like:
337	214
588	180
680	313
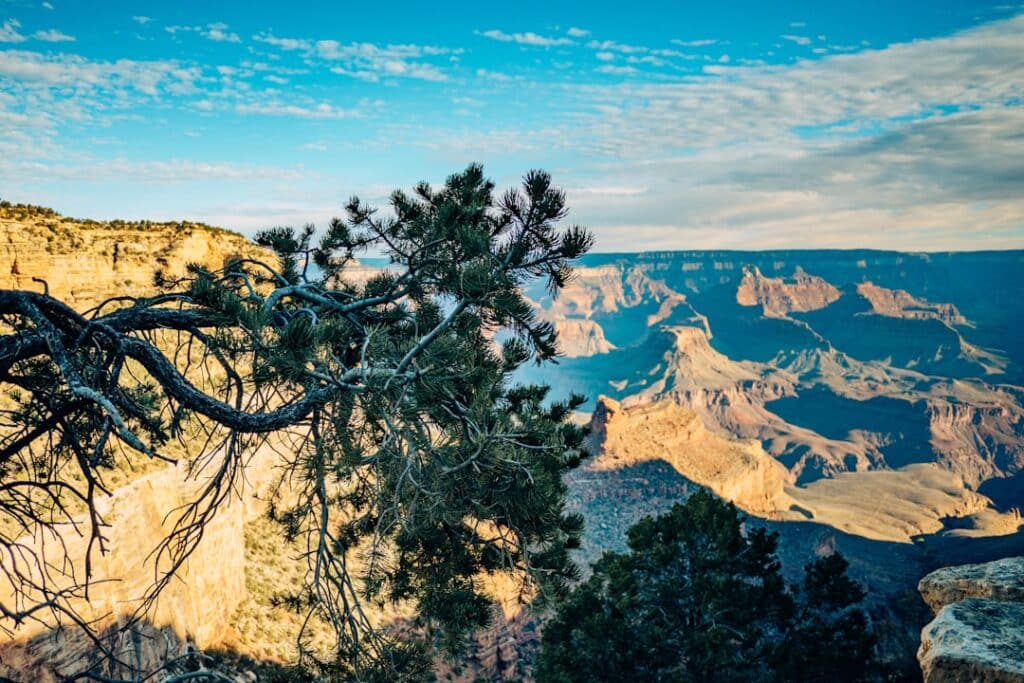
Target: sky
675	125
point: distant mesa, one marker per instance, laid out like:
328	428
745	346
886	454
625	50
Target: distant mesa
897	303
778	296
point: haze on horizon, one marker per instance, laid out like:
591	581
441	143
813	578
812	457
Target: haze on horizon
869	124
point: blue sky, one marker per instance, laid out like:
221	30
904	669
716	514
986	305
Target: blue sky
671	125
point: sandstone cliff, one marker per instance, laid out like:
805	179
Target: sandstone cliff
85	262
581	337
739	471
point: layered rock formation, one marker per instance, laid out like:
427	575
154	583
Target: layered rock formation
780	296
1001	580
581	337
740	471
978	630
897	303
85	262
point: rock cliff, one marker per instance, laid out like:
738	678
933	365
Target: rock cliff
780	296
84	262
740	471
978	630
581	337
897	303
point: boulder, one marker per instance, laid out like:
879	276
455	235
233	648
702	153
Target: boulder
999	580
974	640
978	630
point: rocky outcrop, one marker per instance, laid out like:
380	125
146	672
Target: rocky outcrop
739	471
86	262
780	296
999	580
978	630
980	436
897	303
195	609
609	289
579	337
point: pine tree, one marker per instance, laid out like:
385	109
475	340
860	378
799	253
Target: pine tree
408	441
697	599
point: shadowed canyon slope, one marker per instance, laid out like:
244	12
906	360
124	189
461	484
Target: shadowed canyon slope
864	401
883	388
834	361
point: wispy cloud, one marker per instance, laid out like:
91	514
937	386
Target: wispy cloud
322	110
35	70
283	43
218	32
527	38
616	70
799	40
9	32
142	20
53	36
911	147
703	42
368	61
496	76
576	32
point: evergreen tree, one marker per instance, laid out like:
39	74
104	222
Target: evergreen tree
407	441
697	599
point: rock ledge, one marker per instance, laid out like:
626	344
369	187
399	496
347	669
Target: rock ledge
978	630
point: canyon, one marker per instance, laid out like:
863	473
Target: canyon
861	401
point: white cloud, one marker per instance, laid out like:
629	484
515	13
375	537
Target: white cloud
606	45
799	40
694	43
35	70
322	110
368	61
371	62
497	76
578	32
915	146
616	70
527	38
53	36
175	29
46	5
218	32
289	44
9	32
139	19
